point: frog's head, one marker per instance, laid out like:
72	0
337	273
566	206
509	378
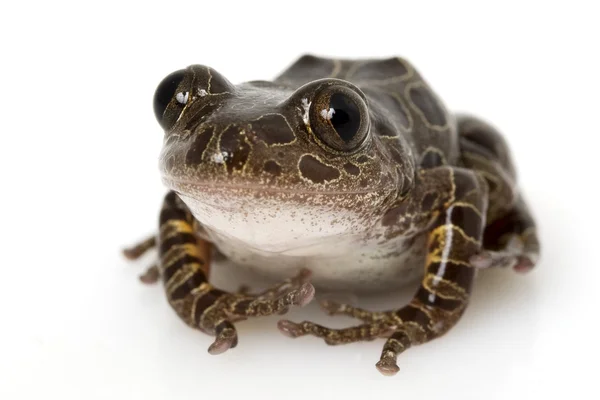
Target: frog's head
266	163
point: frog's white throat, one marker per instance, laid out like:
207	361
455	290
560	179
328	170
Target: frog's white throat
272	225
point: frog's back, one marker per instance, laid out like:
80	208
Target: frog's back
400	101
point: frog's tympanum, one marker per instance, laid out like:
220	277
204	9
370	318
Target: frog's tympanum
347	174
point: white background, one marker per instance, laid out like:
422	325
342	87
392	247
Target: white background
79	181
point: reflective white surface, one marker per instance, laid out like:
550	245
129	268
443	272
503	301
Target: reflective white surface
80	179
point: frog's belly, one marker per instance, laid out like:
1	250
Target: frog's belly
343	265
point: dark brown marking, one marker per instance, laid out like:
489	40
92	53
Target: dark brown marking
222	326
314	170
425	101
431	159
169	214
428	201
272	168
273	129
380	69
363	159
352	169
392	215
465	182
179	238
403	339
194	281
204	301
431	299
194	154
170	270
516	221
467	219
460	274
172	200
412	313
232	142
241	306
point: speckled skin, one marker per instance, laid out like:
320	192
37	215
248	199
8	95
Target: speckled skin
256	171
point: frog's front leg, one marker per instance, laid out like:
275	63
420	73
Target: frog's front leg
444	292
184	268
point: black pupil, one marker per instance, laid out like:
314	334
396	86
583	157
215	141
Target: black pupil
165	92
346	117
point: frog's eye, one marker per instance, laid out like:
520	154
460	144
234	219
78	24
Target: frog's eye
165	95
339	117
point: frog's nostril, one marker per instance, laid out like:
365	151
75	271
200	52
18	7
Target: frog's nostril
164	94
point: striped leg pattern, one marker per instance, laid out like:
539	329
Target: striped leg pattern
184	268
443	294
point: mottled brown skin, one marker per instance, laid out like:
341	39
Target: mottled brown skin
412	169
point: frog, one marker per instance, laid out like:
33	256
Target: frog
342	175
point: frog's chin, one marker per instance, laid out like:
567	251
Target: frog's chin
277	221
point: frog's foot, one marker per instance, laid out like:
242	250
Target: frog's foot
402	328
396	332
151	275
377	325
279	289
217	312
136	251
514	255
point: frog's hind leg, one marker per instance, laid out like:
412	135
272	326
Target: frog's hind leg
444	291
510	239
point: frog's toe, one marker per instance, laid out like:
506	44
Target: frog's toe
290	329
397	343
331	307
283	288
387	367
226	338
151	275
524	264
520	262
303	295
136	251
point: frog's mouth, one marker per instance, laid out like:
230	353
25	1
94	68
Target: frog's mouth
189	186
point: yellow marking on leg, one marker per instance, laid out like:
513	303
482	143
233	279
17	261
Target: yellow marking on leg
443	228
190	249
177	225
444	288
469	205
